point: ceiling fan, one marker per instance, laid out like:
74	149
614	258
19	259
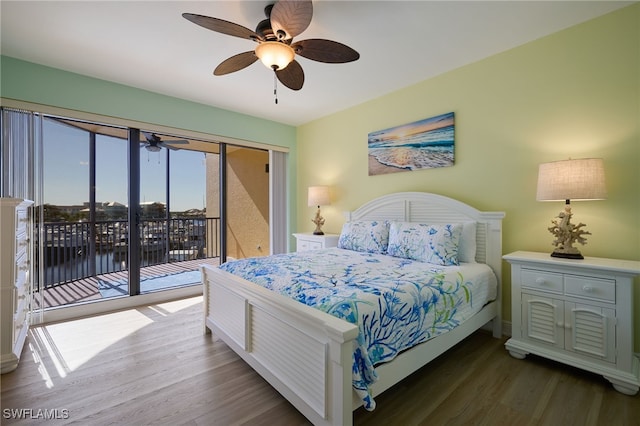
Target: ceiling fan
154	143
286	19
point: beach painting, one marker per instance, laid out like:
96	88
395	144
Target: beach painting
423	144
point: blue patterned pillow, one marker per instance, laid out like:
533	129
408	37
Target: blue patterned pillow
370	236
437	244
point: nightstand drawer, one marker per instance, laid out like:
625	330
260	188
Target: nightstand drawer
590	288
304	245
542	280
308	241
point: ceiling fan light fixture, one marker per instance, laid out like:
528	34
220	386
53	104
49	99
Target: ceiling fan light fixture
275	55
153	148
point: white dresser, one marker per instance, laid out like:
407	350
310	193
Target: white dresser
15	279
578	312
309	241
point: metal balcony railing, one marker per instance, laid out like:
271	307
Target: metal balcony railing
73	251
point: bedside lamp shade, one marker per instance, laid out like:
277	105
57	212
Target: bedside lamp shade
318	196
567	180
581	179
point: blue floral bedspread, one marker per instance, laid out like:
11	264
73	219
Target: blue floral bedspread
397	303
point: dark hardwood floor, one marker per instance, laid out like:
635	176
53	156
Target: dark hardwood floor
153	365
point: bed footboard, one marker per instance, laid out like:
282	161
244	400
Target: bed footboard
304	353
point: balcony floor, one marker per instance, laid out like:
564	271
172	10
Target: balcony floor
86	289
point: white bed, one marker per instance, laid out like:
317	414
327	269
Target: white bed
287	342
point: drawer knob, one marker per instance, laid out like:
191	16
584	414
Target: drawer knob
540	281
587	289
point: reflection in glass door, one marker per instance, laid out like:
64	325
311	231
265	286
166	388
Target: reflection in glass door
154	242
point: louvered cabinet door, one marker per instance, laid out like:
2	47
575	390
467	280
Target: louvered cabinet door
541	320
590	331
583	329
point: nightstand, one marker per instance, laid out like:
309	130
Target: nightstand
578	312
308	241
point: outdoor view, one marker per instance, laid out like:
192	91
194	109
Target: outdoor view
85	238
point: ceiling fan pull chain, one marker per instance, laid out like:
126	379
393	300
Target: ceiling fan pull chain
275	86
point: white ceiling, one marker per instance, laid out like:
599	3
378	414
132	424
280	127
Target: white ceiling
147	44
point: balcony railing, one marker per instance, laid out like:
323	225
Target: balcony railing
73	251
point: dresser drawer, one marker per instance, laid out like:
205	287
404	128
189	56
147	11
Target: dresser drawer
542	280
304	245
21	292
18	327
590	288
21	245
21	221
21	271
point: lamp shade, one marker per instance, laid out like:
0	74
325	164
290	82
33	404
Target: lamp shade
581	179
318	196
275	55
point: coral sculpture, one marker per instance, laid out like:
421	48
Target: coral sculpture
319	221
566	233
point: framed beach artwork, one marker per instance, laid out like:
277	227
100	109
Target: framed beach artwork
423	144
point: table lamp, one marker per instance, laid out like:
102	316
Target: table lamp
318	196
581	179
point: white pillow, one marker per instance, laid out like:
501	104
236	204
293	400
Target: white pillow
467	246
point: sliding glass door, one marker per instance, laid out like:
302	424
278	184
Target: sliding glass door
122	211
125	211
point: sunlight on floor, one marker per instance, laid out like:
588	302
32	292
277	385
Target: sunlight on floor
175	306
63	347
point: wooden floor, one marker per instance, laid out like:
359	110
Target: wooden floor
86	289
153	365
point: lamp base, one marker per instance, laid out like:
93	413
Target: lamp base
566	234
567	255
319	221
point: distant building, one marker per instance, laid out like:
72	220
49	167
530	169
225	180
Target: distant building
153	209
113	209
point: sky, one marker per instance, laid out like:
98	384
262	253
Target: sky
66	171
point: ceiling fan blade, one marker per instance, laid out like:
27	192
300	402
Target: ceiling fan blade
291	76
290	18
222	26
148	136
326	51
177	141
166	145
235	63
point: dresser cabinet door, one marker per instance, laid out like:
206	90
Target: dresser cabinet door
590	331
543	319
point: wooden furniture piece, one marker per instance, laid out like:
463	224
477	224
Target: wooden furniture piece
15	280
286	341
578	312
308	241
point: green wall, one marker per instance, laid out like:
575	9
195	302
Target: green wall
574	94
38	84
